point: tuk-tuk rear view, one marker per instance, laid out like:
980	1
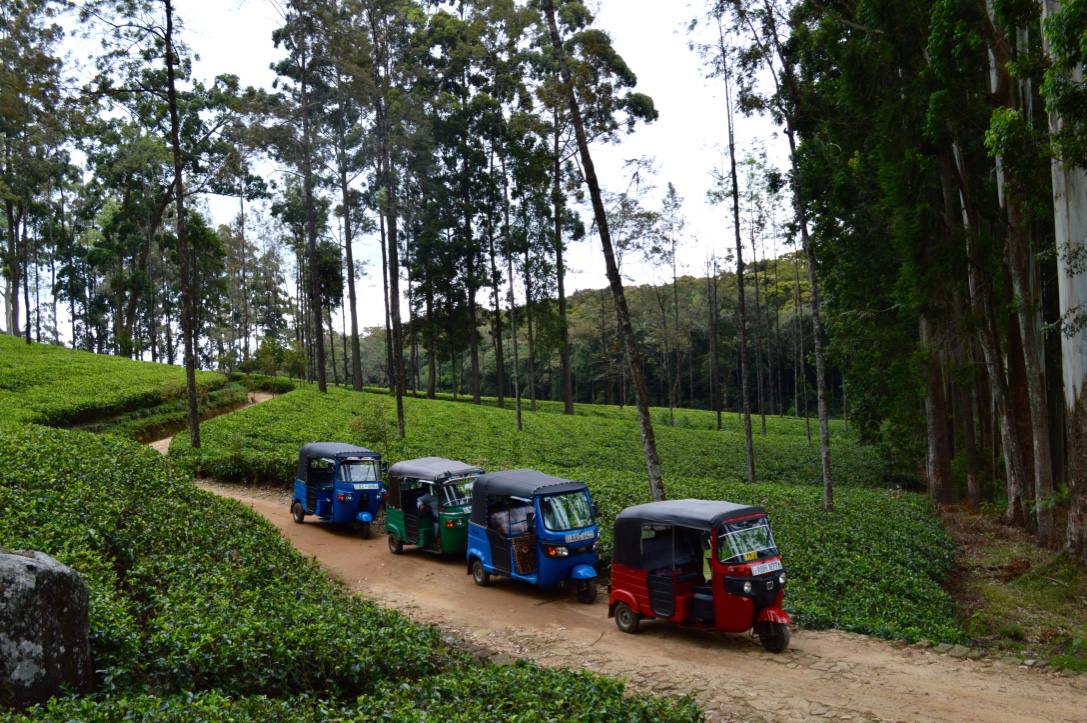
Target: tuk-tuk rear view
702	564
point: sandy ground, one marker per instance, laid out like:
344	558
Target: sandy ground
824	674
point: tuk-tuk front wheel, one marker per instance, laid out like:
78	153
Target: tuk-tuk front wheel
774	637
626	619
297	512
586	591
365	529
480	574
396	546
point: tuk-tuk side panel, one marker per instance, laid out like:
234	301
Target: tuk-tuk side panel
478	547
453	539
394	523
300	496
629	585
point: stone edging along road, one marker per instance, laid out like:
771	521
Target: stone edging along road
826	675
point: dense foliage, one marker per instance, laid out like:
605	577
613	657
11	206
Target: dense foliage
193	593
59	387
856	568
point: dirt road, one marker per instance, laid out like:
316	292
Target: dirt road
162	446
824	675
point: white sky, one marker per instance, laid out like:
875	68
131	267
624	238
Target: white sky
686	142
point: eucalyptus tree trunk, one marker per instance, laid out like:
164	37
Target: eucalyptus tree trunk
567	381
348	242
626	329
183	249
936	417
1070	220
511	298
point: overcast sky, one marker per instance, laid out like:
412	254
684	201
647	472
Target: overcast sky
686	142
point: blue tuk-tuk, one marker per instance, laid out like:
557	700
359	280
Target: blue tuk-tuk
338	483
532	527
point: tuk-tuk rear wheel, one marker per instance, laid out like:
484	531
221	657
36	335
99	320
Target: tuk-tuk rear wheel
586	592
396	546
774	637
297	512
480	574
626	619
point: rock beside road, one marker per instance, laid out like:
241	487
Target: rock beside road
44	636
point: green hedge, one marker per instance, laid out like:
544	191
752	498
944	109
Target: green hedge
60	387
876	565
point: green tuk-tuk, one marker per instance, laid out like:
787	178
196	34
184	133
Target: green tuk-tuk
428	504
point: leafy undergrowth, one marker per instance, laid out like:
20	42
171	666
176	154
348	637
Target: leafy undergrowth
149	423
683	417
60	387
874	566
1018	598
260	445
192	593
483	693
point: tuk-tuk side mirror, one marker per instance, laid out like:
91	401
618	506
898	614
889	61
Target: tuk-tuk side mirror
384	469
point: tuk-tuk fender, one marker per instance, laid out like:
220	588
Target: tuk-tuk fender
364	517
775	615
583	572
621	596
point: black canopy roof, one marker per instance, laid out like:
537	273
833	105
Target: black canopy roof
699	514
517	483
329	450
432	468
523	483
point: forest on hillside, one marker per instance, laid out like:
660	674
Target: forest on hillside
917	263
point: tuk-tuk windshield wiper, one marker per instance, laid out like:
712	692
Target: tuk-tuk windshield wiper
570	511
359	471
458	492
739	542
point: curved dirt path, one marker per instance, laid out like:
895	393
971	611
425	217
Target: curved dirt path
824	675
162	446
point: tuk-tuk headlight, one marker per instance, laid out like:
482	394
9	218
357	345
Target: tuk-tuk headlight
781	578
556	551
747	588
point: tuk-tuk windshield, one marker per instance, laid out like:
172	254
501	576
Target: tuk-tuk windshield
745	540
458	492
359	470
569	511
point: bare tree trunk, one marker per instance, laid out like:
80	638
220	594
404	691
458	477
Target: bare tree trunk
715	357
348	243
939	448
496	313
637	373
183	249
385	297
511	298
560	273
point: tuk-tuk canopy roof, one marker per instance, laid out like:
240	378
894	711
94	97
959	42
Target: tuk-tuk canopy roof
432	469
523	483
698	514
516	483
329	450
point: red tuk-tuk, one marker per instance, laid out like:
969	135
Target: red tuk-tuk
702	564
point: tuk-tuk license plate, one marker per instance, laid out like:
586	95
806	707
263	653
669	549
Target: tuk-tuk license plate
579	536
766	567
367	486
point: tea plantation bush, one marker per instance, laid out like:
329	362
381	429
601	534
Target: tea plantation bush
874	566
261	444
483	693
61	388
190	593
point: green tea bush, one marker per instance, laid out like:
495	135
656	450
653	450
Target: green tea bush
201	610
61	388
260	444
483	693
875	565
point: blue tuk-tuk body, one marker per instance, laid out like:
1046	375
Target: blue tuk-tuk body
338	483
535	528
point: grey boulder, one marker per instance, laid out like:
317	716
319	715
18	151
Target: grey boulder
44	637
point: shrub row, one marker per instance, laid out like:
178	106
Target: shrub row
874	566
191	593
61	388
